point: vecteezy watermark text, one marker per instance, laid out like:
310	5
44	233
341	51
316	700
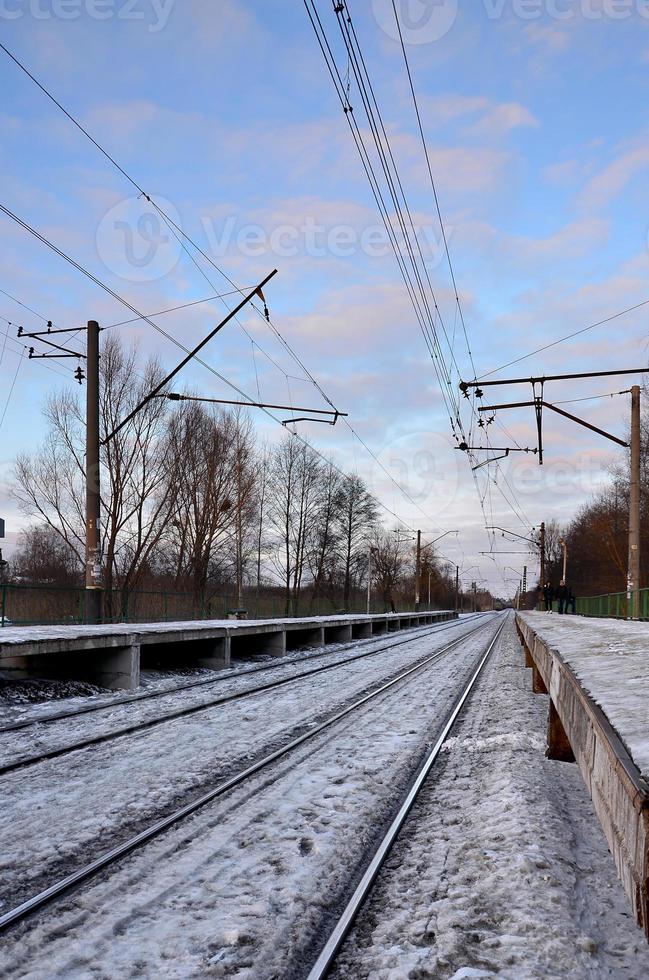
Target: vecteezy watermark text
154	13
319	241
427	21
567	9
138	242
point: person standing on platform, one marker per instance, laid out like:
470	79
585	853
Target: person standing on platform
562	596
548	595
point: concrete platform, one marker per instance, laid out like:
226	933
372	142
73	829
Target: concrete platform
112	655
596	675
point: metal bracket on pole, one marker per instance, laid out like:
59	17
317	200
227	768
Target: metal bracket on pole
191	354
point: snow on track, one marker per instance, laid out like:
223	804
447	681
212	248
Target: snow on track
241	887
57	733
77	805
502	869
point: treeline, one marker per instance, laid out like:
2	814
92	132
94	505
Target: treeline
597	537
192	503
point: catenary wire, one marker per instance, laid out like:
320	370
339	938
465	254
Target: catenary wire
562	340
181	346
170	223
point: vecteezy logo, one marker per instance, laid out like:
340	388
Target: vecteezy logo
136	243
422	21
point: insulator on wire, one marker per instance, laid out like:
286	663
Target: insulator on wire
79	375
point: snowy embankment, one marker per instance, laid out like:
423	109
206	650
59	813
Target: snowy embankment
611	660
79	805
502	870
242	887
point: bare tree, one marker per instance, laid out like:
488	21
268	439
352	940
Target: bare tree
198	539
293	507
137	496
263	466
357	518
245	499
323	553
43	556
390	560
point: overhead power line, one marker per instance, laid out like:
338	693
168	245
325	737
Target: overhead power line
178	231
177	343
562	340
11	391
415	276
432	182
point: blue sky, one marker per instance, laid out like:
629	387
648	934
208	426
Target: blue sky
536	119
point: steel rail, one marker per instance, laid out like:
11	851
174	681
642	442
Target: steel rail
46	896
25	762
223	675
329	952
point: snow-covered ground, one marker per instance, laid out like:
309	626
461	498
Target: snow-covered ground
12	635
241	888
116	710
502	870
611	659
58	813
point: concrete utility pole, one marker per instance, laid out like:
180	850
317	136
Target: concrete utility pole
474	603
524	580
633	580
418	572
93	499
564	548
369	578
542	547
457	588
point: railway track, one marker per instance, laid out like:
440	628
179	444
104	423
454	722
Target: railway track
104	861
338	933
226	675
25	761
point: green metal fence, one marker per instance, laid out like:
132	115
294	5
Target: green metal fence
26	605
612	606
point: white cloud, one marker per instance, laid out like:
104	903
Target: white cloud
609	183
486	117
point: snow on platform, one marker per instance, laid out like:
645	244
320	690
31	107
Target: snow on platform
611	660
23	635
596	673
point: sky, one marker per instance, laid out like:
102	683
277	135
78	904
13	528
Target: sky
536	122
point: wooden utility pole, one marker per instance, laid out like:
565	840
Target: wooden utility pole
93	497
418	572
633	579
